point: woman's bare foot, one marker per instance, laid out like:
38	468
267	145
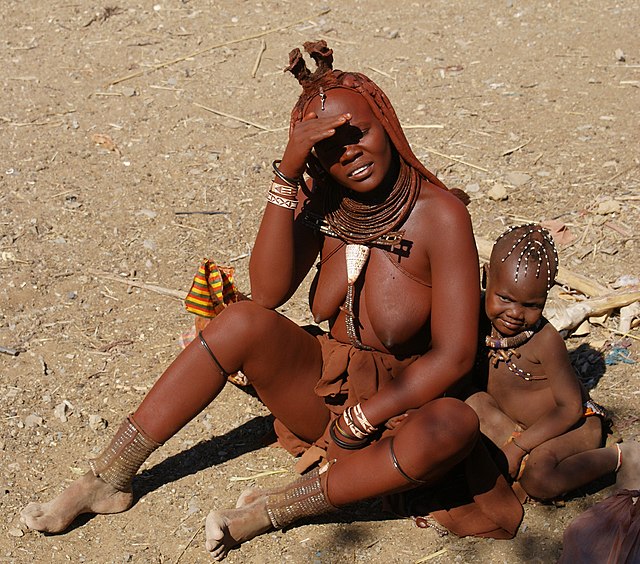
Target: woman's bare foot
248	496
88	494
628	477
227	529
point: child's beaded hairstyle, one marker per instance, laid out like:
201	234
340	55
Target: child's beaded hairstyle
529	245
325	78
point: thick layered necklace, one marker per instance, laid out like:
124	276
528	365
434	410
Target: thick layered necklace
360	222
362	225
503	349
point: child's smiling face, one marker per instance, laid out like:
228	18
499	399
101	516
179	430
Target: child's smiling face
513	307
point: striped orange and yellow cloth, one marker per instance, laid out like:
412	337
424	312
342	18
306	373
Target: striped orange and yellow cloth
213	288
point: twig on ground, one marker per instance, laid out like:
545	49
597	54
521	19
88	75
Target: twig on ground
259	475
9	351
201	212
427	126
624	171
381	72
429	150
188	544
177	294
623	334
242	120
256	66
190	227
509	151
211	48
431	556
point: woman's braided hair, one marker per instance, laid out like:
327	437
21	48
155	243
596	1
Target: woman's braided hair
325	78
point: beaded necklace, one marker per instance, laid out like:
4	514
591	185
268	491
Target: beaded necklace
504	349
360	222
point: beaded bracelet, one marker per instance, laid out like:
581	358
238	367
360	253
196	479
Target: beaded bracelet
355	430
293	182
361	419
280	190
287	203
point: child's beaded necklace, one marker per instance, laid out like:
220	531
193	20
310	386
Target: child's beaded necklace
504	348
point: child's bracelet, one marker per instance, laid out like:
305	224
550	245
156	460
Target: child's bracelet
293	182
526	451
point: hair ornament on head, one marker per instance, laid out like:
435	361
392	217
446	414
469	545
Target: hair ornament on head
537	245
323	98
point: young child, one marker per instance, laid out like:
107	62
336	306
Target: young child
534	407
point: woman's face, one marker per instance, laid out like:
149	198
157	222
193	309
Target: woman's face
359	156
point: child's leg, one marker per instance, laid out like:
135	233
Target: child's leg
428	443
494	423
628	477
569	461
273	352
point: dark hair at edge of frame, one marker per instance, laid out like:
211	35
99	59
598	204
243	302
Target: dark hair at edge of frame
326	78
528	242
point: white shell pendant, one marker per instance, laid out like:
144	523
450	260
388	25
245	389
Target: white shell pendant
357	256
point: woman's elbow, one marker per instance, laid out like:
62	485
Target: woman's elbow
463	361
266	299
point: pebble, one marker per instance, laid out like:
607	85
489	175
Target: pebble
33	420
97	423
15	532
60	411
608	206
498	193
621	281
517	178
147	213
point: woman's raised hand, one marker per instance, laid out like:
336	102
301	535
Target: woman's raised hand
306	133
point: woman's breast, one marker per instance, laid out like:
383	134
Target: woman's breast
392	305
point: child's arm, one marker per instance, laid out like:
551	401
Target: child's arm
565	387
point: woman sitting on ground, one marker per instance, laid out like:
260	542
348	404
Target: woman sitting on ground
397	281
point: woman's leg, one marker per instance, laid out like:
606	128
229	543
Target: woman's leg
569	461
429	442
280	359
273	352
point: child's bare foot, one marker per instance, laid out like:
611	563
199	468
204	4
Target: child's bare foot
227	529
628	477
88	494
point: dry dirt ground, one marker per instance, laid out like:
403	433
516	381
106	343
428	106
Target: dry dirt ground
117	116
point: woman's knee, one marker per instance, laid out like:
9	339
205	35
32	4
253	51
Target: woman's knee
242	322
448	421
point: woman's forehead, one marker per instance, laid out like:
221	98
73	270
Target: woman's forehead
339	101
